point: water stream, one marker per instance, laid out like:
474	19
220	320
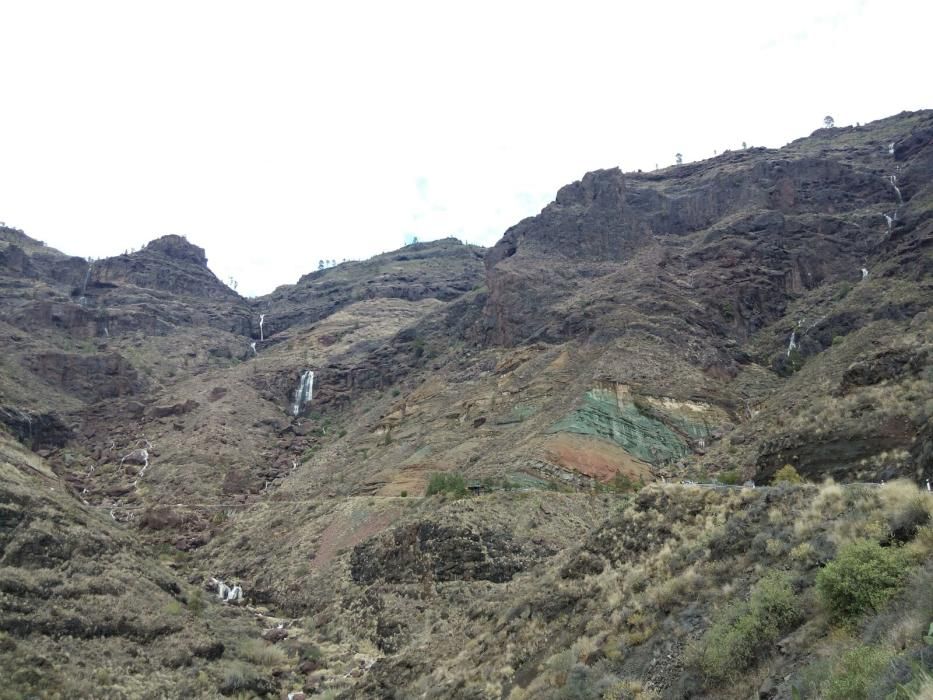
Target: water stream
792	345
304	392
87	276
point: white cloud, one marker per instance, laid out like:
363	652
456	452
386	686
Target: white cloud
278	134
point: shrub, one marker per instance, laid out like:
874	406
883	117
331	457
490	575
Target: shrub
404	494
731	477
445	482
861	578
261	653
731	645
907	521
622	483
854	675
236	677
786	475
310	652
196	601
173	608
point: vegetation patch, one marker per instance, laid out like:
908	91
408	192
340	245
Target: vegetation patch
786	475
854	674
446	483
744	630
861	578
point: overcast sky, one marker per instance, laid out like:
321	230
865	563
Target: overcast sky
275	134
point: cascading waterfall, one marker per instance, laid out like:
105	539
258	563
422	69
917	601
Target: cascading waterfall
87	276
864	274
252	346
897	191
792	345
892	179
262	319
303	393
225	593
891	149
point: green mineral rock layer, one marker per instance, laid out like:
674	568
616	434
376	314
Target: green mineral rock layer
638	430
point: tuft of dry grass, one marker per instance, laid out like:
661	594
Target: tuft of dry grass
262	653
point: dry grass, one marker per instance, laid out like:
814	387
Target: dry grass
262	653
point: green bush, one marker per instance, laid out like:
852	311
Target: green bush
621	483
861	578
786	475
734	641
855	673
445	482
731	477
196	601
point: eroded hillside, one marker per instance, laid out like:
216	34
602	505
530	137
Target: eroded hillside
720	319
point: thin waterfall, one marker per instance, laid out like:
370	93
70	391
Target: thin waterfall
897	191
304	392
87	276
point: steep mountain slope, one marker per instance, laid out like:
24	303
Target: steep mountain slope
722	318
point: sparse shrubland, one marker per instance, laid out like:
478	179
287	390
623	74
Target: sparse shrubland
446	483
701	587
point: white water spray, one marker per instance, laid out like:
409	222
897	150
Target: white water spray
890	221
864	274
891	149
262	319
792	345
897	192
252	346
304	392
226	593
87	276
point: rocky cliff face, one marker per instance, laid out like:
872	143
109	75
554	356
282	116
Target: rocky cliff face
443	270
169	264
713	320
741	235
